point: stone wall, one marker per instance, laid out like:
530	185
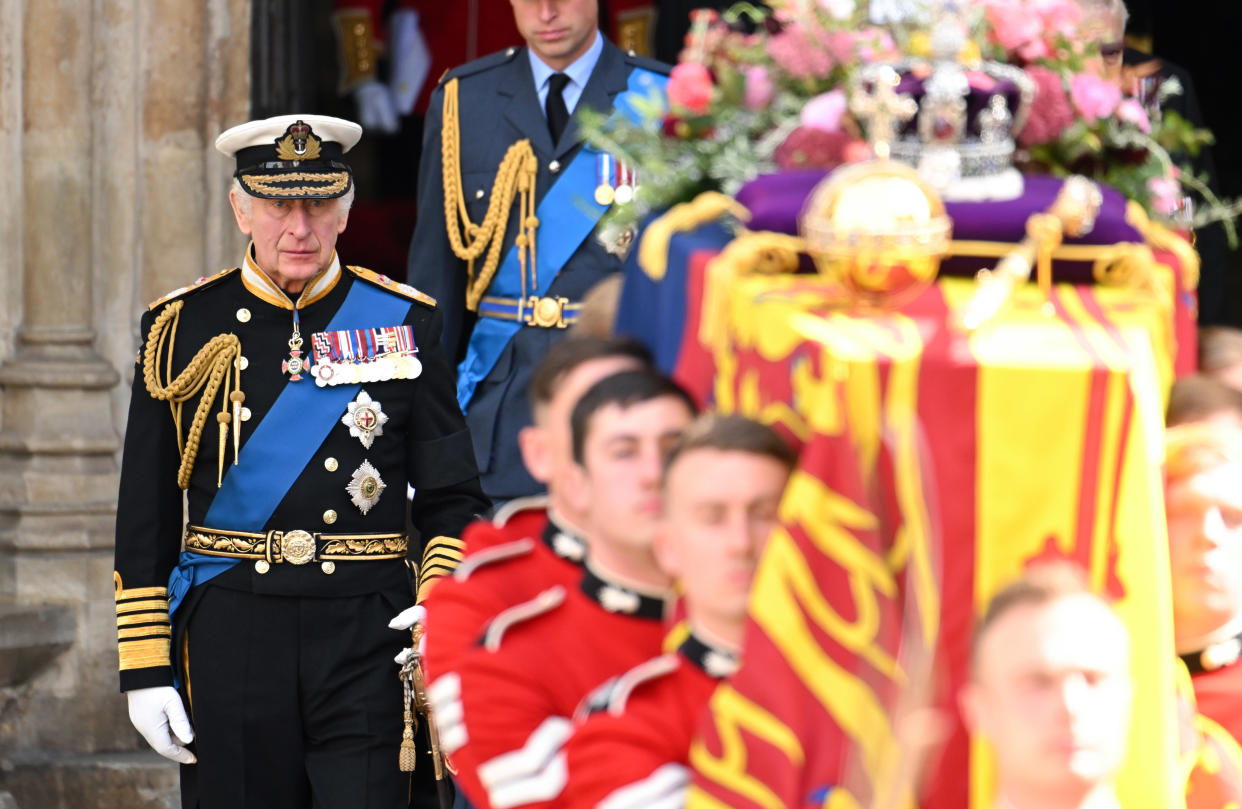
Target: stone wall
112	196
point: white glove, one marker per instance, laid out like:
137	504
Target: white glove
375	107
156	711
406	620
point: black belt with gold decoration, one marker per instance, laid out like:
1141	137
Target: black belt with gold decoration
295	547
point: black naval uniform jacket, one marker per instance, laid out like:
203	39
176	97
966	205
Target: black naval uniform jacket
424	443
498	106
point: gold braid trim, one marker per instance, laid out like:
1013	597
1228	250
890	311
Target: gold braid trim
515	177
145	653
706	207
206	372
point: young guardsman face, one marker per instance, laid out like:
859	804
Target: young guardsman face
720	508
547	445
1051	692
558	31
618	484
293	239
1205	548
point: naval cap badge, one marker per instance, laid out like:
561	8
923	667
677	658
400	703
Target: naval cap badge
365	487
298	143
365	418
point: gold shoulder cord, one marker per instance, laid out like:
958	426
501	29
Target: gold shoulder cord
514	177
207	371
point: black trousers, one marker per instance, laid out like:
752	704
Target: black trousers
295	702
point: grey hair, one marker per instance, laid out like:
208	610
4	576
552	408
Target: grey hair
244	200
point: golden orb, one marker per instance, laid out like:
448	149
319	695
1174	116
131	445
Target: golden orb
879	229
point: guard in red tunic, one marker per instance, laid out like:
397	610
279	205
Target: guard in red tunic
723	485
505	708
532	543
1204	507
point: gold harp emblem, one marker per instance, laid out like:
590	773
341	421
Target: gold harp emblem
299	143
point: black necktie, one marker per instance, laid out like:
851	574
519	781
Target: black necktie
558	115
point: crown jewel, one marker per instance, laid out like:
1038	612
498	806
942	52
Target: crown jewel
960	132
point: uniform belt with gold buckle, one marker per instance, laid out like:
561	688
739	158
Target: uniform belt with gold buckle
295	547
545	312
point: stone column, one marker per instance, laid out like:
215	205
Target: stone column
112	196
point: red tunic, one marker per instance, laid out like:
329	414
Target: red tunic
631	747
1219	697
507	562
504	709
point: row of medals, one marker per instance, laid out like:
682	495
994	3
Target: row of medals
605	194
405	365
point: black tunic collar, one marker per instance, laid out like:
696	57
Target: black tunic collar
563	542
713	660
618	598
1216	656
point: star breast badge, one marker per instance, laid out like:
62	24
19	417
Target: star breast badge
365	419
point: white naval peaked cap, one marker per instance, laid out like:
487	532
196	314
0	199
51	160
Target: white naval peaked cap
267	131
292	156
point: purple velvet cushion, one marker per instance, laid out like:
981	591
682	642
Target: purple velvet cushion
775	202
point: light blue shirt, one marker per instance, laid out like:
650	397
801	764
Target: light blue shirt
578	72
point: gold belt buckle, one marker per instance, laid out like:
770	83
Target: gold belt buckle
297	547
547	313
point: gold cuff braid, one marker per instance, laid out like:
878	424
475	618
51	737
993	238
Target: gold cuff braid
440	558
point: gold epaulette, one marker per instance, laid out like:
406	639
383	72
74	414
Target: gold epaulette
384	281
205	281
356	36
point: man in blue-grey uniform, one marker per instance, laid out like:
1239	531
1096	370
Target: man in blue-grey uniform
508	202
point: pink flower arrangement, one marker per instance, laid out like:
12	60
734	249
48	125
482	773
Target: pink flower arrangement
808	147
1028	28
1051	113
759	88
795	53
1166	194
825	111
1094	97
1131	111
690	87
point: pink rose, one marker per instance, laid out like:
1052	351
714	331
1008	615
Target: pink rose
1059	16
1093	97
1014	24
1132	112
824	112
690	87
759	88
1166	195
1050	113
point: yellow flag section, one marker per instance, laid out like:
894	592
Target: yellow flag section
1071	396
808	720
935	465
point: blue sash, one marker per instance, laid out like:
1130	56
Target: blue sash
273	457
567	216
